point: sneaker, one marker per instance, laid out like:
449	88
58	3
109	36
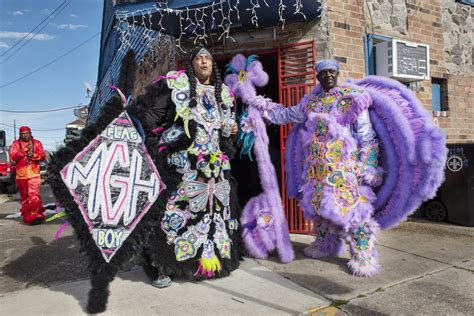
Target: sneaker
162	283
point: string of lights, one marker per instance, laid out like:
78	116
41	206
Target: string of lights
220	14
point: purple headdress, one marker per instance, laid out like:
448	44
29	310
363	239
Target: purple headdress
263	219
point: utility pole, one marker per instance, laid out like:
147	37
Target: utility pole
14	129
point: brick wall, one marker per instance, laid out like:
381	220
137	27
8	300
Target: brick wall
348	23
413	20
252	41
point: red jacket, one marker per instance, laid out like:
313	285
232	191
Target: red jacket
27	168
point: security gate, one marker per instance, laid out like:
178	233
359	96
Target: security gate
296	78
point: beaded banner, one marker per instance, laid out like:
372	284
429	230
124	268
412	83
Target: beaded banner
114	182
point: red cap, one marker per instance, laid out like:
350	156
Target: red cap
24	129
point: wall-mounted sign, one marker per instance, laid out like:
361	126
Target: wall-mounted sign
403	60
412	59
456	159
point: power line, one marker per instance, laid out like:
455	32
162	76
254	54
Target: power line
33	33
43	111
39	129
21	39
51	62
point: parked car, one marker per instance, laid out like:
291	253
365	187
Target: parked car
7	173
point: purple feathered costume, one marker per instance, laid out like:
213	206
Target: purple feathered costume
264	224
332	162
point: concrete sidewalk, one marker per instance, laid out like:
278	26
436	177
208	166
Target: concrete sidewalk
253	290
43	276
427	268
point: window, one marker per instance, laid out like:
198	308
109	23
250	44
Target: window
468	2
3	156
370	41
439	99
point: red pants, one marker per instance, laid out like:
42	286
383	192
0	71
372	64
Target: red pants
31	203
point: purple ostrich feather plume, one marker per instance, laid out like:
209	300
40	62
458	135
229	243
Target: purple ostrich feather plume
263	218
413	150
244	75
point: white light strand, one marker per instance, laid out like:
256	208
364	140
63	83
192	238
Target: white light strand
181	30
229	17
212	15
281	8
225	26
324	30
236	7
192	21
195	35
203	27
253	9
298	6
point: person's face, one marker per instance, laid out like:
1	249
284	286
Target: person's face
328	78
25	136
202	65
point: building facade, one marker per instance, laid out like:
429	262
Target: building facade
444	25
353	32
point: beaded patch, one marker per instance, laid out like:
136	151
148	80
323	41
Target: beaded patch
334	100
179	159
221	238
361	237
329	167
171	134
265	219
200	194
187	245
114	182
173	221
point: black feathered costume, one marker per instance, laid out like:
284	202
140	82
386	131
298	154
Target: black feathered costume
210	227
103	269
198	233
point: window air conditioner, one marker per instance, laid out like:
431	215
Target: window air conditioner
401	60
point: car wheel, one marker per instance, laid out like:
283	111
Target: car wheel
436	211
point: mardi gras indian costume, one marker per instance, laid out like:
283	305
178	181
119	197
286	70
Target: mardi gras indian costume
187	122
152	176
109	187
361	157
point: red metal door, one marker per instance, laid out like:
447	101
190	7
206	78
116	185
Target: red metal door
296	77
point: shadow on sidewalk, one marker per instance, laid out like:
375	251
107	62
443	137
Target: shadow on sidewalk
331	287
49	264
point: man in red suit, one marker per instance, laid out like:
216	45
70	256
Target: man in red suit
27	153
